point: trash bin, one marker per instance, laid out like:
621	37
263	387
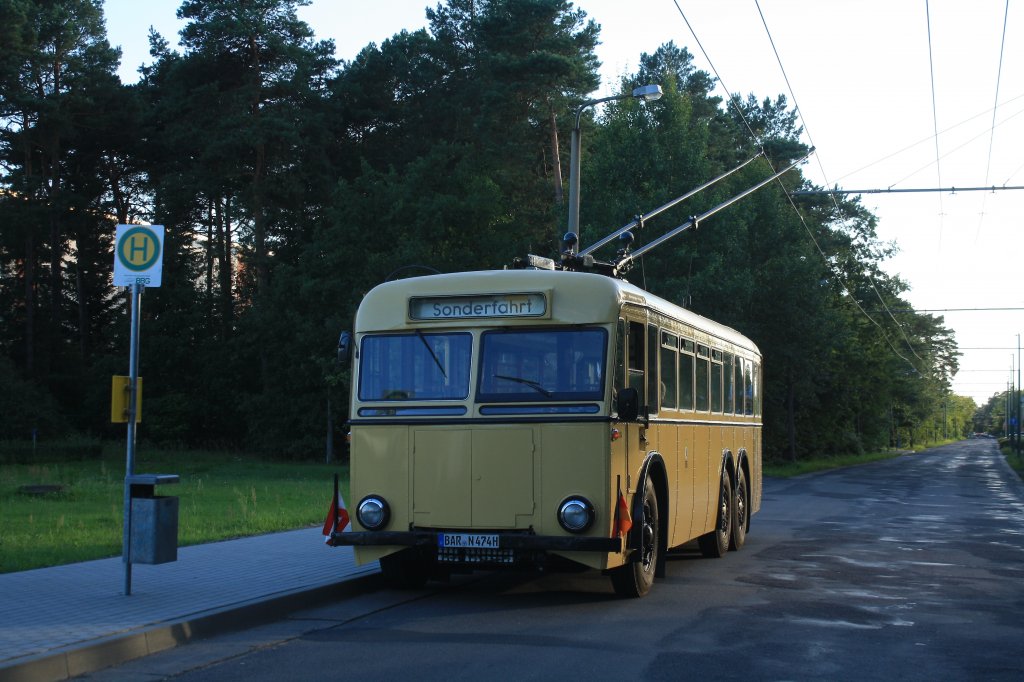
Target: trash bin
154	520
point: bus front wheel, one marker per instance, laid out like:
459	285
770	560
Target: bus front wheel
716	543
636	577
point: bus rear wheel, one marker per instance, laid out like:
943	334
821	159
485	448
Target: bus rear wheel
739	517
716	543
405	570
636	577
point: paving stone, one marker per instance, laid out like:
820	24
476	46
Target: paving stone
66	620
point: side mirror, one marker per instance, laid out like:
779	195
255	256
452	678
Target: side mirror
345	348
627	404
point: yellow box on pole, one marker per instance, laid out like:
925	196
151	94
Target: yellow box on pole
120	397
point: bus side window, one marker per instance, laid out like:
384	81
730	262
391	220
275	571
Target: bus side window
738	380
669	375
716	381
727	379
686	350
702	384
757	389
620	355
748	389
653	383
636	363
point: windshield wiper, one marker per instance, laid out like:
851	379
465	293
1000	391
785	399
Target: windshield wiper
432	353
526	382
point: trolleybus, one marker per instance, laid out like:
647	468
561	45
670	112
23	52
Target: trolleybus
528	416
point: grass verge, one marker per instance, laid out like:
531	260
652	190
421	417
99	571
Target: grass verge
780	469
808	466
1015	460
221	496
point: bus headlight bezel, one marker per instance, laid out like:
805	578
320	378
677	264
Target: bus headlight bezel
576	514
373	512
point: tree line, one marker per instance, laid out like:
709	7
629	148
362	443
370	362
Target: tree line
290	182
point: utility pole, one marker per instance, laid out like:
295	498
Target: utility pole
1006	412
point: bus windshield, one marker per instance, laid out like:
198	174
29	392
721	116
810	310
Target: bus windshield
415	366
542	364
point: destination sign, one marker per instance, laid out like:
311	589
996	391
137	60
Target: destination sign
474	307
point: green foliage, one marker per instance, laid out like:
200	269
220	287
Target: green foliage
991	418
26	406
812	465
68	449
221	496
289	184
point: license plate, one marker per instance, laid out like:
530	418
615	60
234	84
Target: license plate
489	541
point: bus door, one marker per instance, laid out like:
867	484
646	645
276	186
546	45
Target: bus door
638	434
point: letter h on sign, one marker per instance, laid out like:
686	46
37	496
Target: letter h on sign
136	244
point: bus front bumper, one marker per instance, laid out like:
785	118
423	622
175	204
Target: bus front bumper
517	541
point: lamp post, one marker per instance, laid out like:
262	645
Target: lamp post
646	93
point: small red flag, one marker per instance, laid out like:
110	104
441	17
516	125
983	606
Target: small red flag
623	521
337	518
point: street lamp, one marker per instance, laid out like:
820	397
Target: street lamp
646	93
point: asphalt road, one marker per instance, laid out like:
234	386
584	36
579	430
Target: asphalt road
909	569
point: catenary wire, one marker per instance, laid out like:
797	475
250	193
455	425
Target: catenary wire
753	135
732	101
928	139
992	137
835	202
935	116
956	149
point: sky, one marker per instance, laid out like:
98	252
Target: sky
901	94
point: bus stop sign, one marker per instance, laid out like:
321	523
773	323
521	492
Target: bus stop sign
139	255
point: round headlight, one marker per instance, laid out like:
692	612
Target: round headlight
576	514
373	512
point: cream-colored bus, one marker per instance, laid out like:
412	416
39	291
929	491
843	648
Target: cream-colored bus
508	417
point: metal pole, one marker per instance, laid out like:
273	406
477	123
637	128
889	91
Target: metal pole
645	93
129	469
574	177
891	190
1018	394
1010	413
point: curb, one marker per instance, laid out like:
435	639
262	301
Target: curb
75	660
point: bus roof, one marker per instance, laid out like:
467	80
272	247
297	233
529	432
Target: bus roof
574	298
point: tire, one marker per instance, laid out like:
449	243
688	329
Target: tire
405	570
741	511
715	544
636	577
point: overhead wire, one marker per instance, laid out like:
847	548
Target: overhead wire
835	202
992	137
1014	174
814	241
955	149
935	116
928	138
732	100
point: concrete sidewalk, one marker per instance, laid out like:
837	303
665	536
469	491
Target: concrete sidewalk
64	621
